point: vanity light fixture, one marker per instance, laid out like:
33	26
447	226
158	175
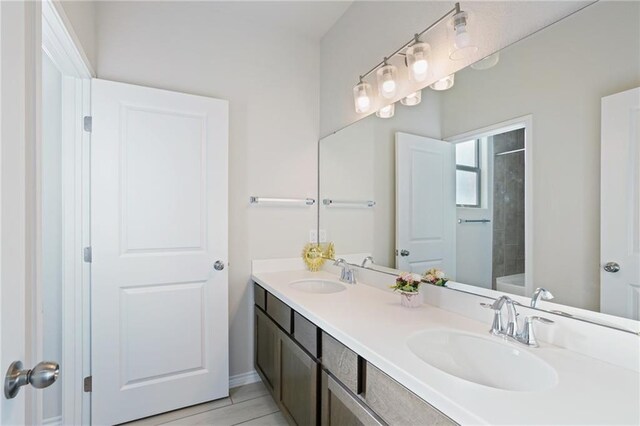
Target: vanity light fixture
462	44
387	80
362	97
444	83
412	99
417	59
386	111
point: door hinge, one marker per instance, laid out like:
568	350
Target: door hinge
88	123
88	383
88	255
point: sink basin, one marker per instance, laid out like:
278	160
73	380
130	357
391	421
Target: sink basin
483	360
318	286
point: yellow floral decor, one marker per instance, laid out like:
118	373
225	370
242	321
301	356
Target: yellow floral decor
314	255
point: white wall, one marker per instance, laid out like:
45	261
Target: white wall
271	80
559	75
52	226
82	19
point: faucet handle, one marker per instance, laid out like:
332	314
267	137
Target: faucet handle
541	319
527	336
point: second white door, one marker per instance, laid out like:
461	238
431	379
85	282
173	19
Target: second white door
425	204
159	225
620	205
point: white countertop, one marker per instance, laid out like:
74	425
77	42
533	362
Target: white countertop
372	323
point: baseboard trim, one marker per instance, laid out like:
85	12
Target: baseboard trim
50	421
243	379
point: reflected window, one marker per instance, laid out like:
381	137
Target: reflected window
468	174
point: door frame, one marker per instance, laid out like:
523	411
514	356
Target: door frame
525	122
59	43
18	32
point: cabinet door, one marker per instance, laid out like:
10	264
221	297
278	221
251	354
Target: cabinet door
340	408
267	350
298	383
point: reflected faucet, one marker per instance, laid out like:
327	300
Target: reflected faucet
540	293
367	259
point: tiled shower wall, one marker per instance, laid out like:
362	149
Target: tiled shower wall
508	204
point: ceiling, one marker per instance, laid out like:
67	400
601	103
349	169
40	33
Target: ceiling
311	19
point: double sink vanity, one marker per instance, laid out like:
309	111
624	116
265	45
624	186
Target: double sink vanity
339	353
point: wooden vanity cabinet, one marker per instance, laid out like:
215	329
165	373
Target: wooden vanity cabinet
298	383
290	373
317	380
341	408
267	350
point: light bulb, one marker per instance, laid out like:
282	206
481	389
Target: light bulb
418	60
362	94
364	103
444	83
389	86
420	67
387	81
412	99
462	38
386	111
462	46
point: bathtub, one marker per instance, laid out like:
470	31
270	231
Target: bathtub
513	284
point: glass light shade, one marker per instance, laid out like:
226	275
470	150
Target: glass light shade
462	46
418	58
488	62
362	97
444	83
412	99
386	111
387	81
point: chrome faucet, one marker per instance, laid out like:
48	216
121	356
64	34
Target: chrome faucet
511	330
498	327
540	293
347	275
367	259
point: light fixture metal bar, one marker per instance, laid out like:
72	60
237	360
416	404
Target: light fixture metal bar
455	9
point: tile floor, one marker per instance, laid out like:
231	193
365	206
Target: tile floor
248	405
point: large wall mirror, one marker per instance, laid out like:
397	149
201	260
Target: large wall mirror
506	180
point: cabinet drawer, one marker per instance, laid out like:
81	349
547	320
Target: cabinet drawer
396	404
341	361
306	333
280	312
259	296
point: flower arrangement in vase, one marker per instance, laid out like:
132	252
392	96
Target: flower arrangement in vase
408	286
435	276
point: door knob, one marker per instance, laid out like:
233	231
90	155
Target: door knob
611	267
404	253
42	375
219	265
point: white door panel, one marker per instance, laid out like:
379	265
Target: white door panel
159	222
425	204
620	204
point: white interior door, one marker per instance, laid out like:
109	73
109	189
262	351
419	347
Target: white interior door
425	204
620	205
158	225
